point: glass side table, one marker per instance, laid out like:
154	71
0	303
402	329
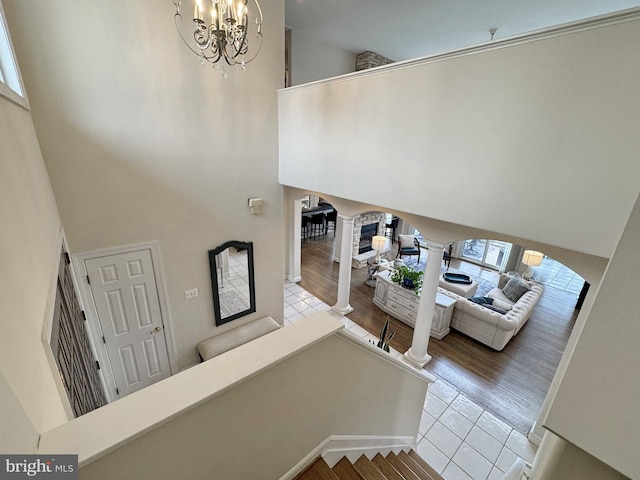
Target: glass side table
373	268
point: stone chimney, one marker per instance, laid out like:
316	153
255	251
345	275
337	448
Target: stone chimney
367	60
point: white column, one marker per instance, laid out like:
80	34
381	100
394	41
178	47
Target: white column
336	245
344	275
295	270
417	354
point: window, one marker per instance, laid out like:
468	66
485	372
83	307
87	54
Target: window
490	253
10	81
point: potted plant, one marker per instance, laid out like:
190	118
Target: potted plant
408	277
383	341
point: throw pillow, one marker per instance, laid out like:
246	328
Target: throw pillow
502	305
495	309
482	300
515	288
406	241
504	278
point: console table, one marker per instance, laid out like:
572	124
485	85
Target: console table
402	304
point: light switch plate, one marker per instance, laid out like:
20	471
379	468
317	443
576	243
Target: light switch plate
191	293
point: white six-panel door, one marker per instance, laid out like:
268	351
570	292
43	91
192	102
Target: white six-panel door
124	290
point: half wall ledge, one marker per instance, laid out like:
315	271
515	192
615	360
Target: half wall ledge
141	412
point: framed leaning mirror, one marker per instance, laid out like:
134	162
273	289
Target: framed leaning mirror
232	280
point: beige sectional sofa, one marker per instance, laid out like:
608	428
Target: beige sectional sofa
488	326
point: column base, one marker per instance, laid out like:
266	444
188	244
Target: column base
343	311
419	362
294	279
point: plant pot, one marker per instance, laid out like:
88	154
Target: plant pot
407	283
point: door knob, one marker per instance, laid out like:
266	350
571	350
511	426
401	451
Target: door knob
156	330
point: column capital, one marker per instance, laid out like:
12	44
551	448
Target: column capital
347	218
435	246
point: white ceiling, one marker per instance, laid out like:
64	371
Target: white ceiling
405	29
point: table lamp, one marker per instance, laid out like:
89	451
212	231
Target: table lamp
378	243
531	258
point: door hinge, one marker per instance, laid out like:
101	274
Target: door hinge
98	364
67	257
117	391
88	280
84	316
103	340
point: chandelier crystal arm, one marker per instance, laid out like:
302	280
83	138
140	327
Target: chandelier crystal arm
227	34
175	20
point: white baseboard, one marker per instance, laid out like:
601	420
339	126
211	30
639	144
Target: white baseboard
533	436
333	448
307	460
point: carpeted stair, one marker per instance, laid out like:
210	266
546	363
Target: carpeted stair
404	466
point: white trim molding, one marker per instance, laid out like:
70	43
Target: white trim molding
92	313
333	448
11	88
541	34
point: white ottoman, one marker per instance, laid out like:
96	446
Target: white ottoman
463	289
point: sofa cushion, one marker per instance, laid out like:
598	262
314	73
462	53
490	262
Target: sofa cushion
501	304
501	311
497	294
482	300
515	288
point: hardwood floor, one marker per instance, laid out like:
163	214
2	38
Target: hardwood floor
511	384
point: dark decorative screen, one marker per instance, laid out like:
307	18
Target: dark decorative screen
70	344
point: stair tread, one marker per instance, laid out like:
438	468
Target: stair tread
345	470
368	469
386	468
405	471
319	470
404	466
414	466
424	465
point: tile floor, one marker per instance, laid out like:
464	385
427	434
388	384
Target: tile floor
556	275
458	438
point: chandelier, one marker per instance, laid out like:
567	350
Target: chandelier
221	31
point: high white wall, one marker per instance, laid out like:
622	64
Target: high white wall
557	459
20	436
596	408
313	59
30	239
535	140
143	143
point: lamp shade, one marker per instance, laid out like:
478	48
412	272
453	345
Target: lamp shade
532	258
378	242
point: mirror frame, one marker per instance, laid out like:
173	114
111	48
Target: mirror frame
248	246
